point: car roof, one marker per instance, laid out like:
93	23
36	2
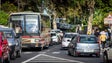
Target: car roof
70	33
6	28
87	35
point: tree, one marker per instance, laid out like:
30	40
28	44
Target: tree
3	18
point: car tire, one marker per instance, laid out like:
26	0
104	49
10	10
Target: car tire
7	60
41	48
18	53
69	53
74	54
13	56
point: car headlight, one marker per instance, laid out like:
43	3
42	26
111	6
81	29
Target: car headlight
10	44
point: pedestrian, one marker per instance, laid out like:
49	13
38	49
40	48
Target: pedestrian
103	38
97	33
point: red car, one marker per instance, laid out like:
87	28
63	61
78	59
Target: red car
4	49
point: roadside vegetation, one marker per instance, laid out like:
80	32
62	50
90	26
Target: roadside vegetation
76	11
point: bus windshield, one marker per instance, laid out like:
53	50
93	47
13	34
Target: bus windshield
31	24
28	23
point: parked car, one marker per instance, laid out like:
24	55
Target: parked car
84	45
14	42
4	49
67	38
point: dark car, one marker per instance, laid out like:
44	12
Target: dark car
14	42
84	45
4	49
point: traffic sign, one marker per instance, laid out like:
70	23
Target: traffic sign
108	20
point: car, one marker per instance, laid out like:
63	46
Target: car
58	31
84	45
4	49
55	38
14	42
107	53
67	38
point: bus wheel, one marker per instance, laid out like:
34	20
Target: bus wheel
41	48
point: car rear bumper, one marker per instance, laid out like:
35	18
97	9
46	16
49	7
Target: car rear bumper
88	53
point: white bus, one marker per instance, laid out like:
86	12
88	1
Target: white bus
33	28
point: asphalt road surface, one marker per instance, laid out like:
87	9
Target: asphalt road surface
54	55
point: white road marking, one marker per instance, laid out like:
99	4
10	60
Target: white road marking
63	60
27	52
55	52
41	52
32	58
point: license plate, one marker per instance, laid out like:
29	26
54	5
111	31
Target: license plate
88	50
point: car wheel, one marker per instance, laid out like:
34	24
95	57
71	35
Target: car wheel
19	53
13	56
69	52
7	60
41	48
2	60
74	54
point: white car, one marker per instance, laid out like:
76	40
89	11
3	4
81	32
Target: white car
67	38
55	38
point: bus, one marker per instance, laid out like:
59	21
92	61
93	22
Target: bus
33	28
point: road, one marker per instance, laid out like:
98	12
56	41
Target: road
53	54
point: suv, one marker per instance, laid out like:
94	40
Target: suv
14	42
4	49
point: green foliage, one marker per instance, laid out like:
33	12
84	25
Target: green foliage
9	7
3	18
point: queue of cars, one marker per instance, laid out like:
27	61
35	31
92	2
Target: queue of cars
77	44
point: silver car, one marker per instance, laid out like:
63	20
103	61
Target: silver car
84	45
67	38
14	42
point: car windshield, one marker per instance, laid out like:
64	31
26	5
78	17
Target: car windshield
69	35
85	39
53	34
8	33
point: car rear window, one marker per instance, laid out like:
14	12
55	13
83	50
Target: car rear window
85	39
